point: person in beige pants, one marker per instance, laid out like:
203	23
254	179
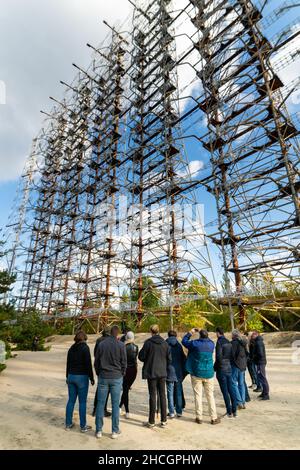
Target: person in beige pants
200	366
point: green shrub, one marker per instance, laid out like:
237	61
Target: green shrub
254	321
28	326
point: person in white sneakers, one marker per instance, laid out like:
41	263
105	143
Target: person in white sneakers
132	351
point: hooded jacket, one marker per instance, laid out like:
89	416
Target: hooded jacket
156	356
79	360
200	357
223	356
176	369
259	351
239	353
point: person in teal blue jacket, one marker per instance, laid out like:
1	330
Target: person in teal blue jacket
200	366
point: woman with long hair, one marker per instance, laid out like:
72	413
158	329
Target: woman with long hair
79	372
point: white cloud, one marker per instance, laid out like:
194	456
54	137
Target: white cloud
40	41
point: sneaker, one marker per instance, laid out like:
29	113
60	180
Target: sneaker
85	429
148	425
235	415
98	434
179	415
163	424
115	435
215	421
67	428
257	390
228	415
241	407
127	415
198	421
107	414
264	397
171	415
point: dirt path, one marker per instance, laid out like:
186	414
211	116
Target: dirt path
33	397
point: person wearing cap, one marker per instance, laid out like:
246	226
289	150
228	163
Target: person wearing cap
105	334
132	351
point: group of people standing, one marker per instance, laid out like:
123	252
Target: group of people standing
165	366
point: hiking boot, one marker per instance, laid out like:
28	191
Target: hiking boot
98	434
85	429
115	435
198	421
149	425
215	421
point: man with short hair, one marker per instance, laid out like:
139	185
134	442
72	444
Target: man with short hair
105	334
110	366
223	370
239	366
200	366
260	360
156	356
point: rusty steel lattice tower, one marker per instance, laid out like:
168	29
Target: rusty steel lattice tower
254	149
111	199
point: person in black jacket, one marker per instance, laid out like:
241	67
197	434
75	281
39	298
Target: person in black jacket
105	334
131	372
223	370
156	356
250	364
239	365
110	366
260	360
79	372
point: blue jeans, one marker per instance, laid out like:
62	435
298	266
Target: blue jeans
78	385
177	387
114	386
238	380
226	386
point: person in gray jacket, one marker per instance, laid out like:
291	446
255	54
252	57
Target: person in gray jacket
110	366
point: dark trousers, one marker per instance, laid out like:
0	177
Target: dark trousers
226	386
128	380
157	386
262	379
252	371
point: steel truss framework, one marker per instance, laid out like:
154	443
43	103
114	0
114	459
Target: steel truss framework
108	196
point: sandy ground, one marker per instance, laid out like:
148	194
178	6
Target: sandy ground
33	396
